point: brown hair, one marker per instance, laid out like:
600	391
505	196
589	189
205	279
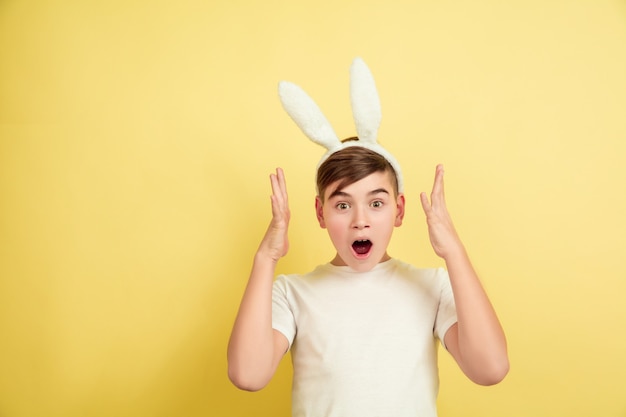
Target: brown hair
350	165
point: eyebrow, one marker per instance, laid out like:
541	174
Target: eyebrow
340	193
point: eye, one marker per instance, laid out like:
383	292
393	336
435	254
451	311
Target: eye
343	206
377	204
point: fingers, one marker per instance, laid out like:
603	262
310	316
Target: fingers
280	202
437	196
278	185
425	203
282	185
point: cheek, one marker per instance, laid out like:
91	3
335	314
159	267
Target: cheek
386	225
335	226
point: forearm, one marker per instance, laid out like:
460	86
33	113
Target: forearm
251	348
481	341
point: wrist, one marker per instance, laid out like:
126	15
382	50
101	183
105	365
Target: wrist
455	253
262	257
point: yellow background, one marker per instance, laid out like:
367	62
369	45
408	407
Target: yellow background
136	139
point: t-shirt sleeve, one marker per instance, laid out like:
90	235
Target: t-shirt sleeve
282	315
446	312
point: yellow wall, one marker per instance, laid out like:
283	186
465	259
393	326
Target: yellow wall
136	138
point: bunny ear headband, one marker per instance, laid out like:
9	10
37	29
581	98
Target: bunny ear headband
365	109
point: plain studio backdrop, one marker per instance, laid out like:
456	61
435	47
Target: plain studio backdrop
136	141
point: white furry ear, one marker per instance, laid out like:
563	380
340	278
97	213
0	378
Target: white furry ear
307	115
365	101
365	109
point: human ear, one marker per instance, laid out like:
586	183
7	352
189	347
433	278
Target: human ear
319	212
400	204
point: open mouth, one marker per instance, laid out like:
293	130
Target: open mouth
362	247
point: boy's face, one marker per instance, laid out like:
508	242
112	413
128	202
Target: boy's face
360	219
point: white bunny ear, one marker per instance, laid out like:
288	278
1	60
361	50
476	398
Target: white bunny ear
365	101
307	115
365	109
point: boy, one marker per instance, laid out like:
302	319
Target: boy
363	328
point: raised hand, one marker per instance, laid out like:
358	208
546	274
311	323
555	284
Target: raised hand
255	349
443	236
275	243
476	341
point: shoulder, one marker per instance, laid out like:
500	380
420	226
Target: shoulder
291	280
430	280
414	272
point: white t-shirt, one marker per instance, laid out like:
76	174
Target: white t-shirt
364	344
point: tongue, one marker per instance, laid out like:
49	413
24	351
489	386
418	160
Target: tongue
362	247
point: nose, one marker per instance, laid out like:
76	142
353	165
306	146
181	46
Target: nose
360	220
